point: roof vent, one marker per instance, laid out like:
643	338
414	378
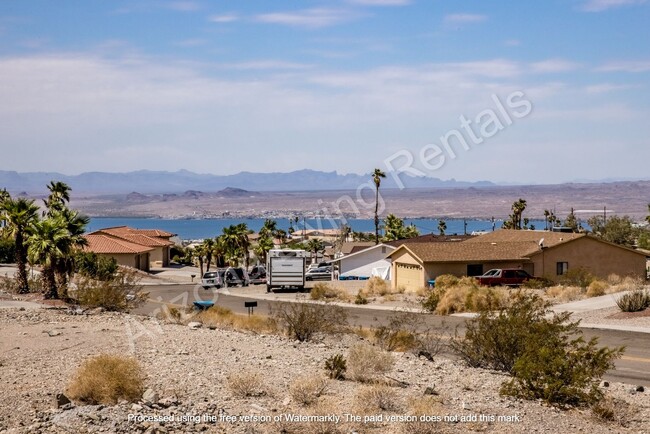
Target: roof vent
494	244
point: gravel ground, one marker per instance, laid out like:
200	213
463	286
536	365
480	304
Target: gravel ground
188	371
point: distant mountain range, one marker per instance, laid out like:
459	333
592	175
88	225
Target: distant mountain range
183	181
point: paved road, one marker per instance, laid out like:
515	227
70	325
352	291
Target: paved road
632	368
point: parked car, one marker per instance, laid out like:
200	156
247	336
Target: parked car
318	265
320	273
212	279
504	277
234	276
257	276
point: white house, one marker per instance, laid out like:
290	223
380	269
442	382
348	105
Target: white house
365	263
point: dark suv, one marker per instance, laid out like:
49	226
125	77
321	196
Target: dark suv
234	276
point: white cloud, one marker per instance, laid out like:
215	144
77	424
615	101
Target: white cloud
606	87
603	5
311	18
190	42
553	65
267	65
223	18
465	18
626	66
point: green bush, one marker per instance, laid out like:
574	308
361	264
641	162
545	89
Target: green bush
400	334
431	299
547	357
336	367
634	301
96	267
537	283
360	299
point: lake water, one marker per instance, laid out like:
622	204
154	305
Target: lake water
196	229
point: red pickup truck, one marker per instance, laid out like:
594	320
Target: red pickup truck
504	277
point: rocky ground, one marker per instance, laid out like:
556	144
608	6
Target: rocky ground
188	370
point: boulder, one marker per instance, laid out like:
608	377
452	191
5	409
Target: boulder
150	397
194	325
60	400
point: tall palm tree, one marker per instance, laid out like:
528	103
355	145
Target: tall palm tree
244	242
314	246
75	226
20	215
46	244
208	251
261	249
376	178
58	198
442	227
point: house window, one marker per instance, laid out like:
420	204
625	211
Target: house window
474	269
562	268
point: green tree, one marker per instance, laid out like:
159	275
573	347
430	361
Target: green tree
20	215
261	249
58	198
207	248
314	246
515	219
442	227
237	244
46	244
618	230
75	227
394	229
572	222
377	175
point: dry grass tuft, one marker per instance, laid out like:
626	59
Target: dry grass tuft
366	363
323	291
307	389
218	316
247	383
106	378
565	293
468	296
378	397
423	407
597	288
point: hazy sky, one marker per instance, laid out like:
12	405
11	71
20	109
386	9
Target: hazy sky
227	86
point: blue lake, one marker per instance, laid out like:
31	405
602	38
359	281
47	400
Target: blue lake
195	229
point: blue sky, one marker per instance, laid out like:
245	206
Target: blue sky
227	86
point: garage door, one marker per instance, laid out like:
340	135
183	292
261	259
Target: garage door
409	276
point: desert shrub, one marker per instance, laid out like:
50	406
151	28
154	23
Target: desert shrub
323	291
446	280
537	283
430	299
247	383
604	409
218	316
580	277
307	389
9	285
377	397
119	293
336	366
170	314
428	344
105	379
614	279
376	286
7	250
596	288
565	293
400	332
634	301
548	357
302	321
360	299
89	264
470	297
367	363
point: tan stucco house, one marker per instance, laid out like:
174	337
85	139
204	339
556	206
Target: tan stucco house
138	248
541	253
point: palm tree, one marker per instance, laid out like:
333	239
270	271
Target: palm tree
59	196
314	246
20	215
261	250
376	178
46	243
244	242
199	254
75	226
208	250
442	227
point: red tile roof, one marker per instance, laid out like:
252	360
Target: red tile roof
102	243
137	236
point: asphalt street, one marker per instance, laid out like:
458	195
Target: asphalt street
632	368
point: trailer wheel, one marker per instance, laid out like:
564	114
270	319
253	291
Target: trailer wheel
269	288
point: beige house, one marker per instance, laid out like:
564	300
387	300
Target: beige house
138	248
540	253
